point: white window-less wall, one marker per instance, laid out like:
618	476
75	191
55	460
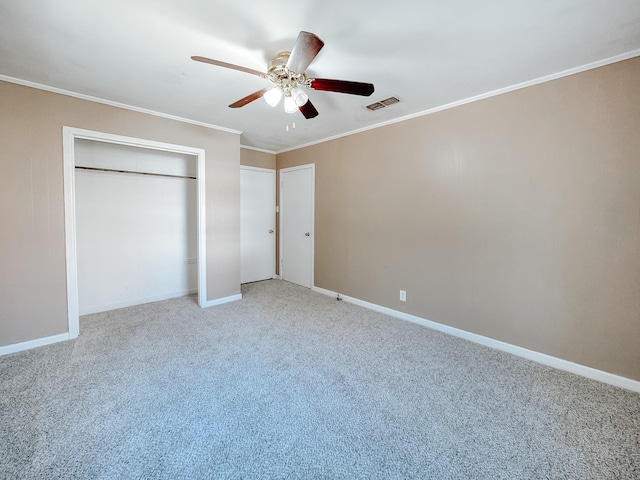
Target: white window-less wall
136	233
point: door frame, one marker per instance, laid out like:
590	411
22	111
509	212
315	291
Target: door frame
273	172
69	135
312	167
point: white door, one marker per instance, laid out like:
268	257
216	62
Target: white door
257	224
296	224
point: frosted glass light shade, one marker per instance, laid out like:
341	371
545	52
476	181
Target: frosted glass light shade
299	96
289	104
273	96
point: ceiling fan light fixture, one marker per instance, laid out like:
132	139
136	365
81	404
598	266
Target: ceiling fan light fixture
290	104
299	96
287	73
273	96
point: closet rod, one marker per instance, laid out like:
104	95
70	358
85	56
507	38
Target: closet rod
137	173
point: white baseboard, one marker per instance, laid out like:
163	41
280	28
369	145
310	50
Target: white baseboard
39	342
134	301
542	358
220	301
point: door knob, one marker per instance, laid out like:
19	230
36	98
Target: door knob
270	231
307	234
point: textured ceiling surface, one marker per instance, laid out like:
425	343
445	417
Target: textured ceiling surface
428	53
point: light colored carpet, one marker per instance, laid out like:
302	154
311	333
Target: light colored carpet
290	384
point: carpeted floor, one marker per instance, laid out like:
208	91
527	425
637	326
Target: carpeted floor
290	384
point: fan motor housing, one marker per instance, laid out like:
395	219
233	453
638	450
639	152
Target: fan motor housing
279	61
282	76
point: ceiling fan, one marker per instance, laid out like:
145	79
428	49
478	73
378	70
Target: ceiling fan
287	72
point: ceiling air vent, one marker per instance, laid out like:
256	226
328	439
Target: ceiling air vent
382	103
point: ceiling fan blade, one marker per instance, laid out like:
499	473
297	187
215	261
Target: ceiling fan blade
249	98
304	51
308	110
228	65
341	86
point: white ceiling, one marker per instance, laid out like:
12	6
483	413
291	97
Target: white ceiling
427	52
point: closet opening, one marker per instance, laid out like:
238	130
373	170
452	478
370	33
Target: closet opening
134	221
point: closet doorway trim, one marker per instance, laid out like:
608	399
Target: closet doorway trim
69	135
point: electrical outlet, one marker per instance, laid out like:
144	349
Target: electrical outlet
403	296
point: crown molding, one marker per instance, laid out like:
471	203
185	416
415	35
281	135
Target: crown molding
81	96
256	149
493	93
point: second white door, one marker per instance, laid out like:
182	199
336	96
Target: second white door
257	224
296	224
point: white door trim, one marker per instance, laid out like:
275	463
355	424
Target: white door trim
69	134
311	166
273	202
257	169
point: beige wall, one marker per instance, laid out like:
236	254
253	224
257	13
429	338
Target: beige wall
516	217
254	158
32	244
